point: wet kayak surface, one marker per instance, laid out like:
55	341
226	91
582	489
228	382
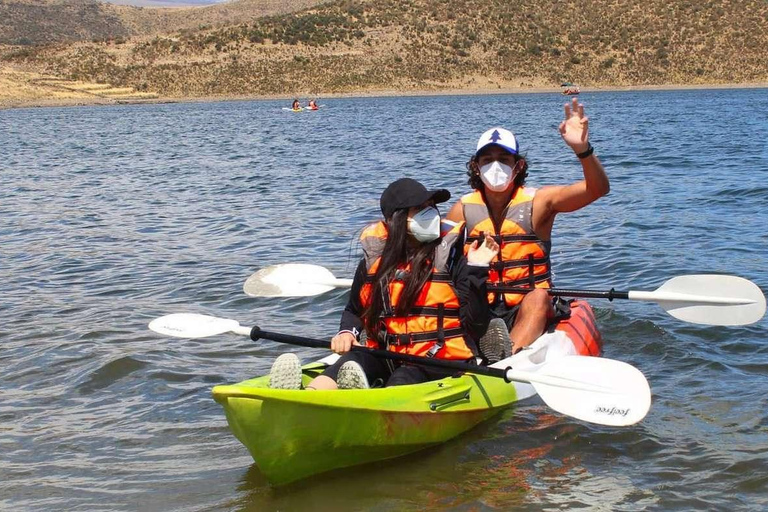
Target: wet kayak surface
113	216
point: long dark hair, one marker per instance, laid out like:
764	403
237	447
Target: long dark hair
473	171
399	250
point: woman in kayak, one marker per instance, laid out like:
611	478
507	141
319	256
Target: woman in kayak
296	105
414	292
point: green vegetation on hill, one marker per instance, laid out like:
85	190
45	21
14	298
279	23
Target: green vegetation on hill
31	22
49	21
347	46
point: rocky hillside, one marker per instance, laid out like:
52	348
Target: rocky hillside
349	46
29	22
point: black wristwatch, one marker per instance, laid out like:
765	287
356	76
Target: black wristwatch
586	153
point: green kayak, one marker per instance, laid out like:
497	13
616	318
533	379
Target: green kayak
292	434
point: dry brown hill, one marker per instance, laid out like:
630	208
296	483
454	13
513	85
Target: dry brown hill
25	22
151	21
348	46
46	21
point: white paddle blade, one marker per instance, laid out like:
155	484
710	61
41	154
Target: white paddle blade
712	299
595	389
191	325
292	280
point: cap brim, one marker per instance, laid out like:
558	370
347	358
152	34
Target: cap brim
507	148
439	195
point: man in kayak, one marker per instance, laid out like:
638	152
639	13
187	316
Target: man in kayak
520	219
414	292
312	105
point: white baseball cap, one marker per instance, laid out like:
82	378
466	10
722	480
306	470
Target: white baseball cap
499	136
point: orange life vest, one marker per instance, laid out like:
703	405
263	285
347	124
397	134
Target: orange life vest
432	327
523	258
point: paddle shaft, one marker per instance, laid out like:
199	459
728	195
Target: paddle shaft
655	296
257	333
562	292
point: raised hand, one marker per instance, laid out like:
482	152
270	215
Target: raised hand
482	254
575	128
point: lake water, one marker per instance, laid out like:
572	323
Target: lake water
112	216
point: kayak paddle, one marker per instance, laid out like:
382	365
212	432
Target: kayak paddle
593	389
293	280
709	299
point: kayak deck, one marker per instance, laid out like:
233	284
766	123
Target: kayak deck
292	434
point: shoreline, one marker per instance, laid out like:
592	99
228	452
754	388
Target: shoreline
8	104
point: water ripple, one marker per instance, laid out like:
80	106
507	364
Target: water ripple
113	216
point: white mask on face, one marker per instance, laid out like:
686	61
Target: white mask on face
425	225
496	176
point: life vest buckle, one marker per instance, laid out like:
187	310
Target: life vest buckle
496	265
399	339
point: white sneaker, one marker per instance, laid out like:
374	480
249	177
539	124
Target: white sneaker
285	372
352	376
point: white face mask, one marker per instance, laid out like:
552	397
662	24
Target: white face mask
496	176
425	225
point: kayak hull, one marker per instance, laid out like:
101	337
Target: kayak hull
293	434
290	438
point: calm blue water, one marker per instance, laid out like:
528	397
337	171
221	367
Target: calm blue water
112	216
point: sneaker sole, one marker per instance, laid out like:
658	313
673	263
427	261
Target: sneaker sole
495	344
351	377
285	372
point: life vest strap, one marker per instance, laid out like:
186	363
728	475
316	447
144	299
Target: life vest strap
421	337
434	349
501	265
436	277
433	311
503	238
493	287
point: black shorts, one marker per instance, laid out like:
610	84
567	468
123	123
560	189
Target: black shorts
385	372
506	313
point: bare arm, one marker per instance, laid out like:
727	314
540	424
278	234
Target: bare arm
550	201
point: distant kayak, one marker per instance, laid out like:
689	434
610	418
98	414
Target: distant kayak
303	109
570	89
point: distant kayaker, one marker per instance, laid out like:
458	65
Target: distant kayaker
296	105
312	105
414	292
521	218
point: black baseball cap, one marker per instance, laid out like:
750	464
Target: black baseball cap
407	193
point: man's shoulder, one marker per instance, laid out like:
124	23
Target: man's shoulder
545	192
